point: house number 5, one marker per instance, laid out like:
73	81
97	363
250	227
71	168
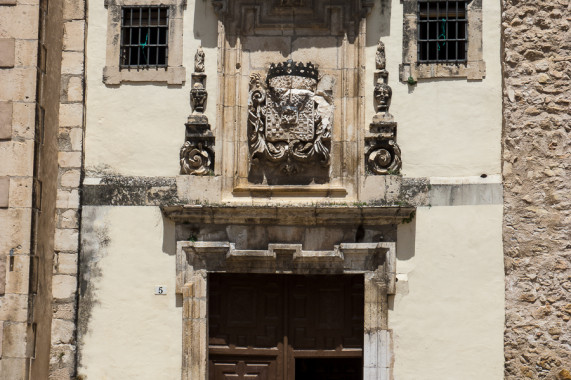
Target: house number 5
160	290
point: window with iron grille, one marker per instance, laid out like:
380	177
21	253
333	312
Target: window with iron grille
442	31
144	37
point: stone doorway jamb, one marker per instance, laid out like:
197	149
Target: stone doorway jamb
376	261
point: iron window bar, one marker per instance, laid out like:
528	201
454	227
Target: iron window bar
144	37
442	31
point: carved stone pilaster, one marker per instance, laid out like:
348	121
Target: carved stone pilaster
382	153
197	152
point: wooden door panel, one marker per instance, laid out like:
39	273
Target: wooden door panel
245	311
326	312
251	315
229	368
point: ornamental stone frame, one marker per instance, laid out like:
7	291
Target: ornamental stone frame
376	261
174	73
253	35
473	69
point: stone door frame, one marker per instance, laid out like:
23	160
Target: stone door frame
376	261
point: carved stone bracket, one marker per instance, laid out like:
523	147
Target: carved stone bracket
197	152
382	153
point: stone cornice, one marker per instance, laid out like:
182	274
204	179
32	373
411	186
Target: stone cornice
318	215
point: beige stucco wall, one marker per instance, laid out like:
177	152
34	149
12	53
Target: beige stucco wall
138	128
131	332
448	313
447	127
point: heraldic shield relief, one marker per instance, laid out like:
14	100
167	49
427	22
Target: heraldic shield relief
289	125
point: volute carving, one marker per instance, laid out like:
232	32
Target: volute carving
288	123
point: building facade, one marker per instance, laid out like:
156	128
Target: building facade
284	189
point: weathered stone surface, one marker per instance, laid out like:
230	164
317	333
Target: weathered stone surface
5	120
63	286
7	52
67	199
62	331
4	191
66	240
69	159
537	189
73	35
67	263
75	89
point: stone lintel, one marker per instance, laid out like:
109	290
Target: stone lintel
310	215
379	258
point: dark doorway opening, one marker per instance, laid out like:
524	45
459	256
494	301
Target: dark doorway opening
285	327
328	369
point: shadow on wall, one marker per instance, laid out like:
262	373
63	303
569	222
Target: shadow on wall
379	22
406	245
169	238
205	24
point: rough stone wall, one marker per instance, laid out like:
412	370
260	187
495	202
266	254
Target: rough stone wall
537	185
70	160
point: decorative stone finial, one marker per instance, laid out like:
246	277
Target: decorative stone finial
380	59
199	60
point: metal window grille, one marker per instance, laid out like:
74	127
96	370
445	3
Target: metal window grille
144	37
442	31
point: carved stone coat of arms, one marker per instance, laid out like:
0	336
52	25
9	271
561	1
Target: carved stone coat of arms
289	124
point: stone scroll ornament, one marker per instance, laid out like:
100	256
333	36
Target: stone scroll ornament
195	159
289	125
382	153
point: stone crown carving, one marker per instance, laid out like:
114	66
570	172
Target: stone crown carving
298	69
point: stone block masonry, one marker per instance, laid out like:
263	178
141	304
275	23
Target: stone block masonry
70	156
537	188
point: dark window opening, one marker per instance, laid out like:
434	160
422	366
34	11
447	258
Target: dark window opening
442	31
144	37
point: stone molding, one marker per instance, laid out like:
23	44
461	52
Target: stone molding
174	73
375	260
325	215
337	16
473	69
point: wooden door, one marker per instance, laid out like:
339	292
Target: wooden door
274	326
